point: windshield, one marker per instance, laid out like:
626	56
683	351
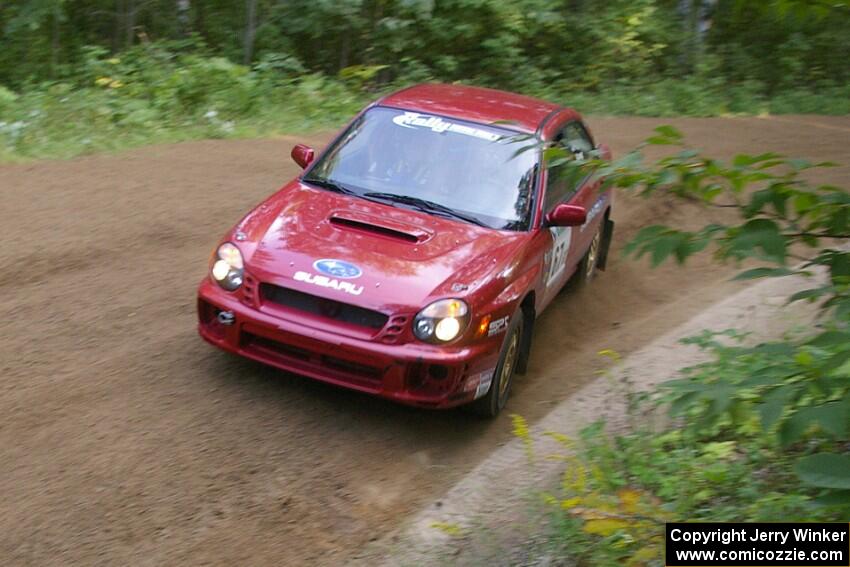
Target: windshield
440	165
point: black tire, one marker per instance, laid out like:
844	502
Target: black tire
589	265
500	388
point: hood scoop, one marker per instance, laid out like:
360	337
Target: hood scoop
378	226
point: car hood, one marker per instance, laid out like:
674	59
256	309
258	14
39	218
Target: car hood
405	257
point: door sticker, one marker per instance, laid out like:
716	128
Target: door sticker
557	256
594	210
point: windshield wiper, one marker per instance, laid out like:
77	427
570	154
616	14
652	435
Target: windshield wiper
423	205
331	185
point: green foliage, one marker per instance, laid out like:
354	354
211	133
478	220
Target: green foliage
655	57
82	75
825	470
754	440
159	93
779	215
617	492
786	391
801	389
760	432
172	91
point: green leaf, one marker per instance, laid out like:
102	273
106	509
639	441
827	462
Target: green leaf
663	246
758	201
721	397
667	135
811	294
683	402
833	498
830	338
764	377
831	417
792	429
839	266
825	470
774	405
744	160
764	273
760	238
800	164
657	240
835	361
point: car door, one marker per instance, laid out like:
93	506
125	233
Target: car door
587	192
569	243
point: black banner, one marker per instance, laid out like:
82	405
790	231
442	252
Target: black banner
757	544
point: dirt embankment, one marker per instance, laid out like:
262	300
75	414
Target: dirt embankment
126	440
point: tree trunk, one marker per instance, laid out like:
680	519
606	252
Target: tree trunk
117	28
129	22
183	24
690	11
250	31
54	39
200	19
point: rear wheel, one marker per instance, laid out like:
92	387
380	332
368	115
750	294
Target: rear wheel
587	268
500	388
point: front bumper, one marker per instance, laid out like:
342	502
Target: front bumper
412	373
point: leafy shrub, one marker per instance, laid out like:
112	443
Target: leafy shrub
155	94
173	90
7	98
761	432
616	492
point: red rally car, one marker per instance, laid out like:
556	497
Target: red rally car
413	255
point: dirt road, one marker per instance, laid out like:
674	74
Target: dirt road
127	440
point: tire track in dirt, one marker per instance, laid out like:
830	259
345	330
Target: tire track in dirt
127	440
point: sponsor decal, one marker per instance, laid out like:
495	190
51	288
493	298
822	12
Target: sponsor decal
338	269
486	379
556	258
594	210
324	281
436	124
498	326
479	382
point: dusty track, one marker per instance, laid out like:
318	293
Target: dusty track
126	440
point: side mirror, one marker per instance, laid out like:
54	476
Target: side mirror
567	215
303	155
604	151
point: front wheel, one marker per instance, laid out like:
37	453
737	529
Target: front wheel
500	388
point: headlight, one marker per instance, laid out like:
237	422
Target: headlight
442	321
227	268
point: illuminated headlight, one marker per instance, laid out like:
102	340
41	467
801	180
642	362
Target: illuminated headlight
442	321
227	268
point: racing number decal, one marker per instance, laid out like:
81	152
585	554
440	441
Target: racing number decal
561	236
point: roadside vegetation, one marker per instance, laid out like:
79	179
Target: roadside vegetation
78	76
759	432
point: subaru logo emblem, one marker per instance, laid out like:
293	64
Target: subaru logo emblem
338	268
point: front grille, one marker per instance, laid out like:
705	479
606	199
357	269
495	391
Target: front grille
322	306
280	348
298	358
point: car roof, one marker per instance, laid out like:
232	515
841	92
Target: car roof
476	104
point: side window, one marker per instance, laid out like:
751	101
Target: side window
574	138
